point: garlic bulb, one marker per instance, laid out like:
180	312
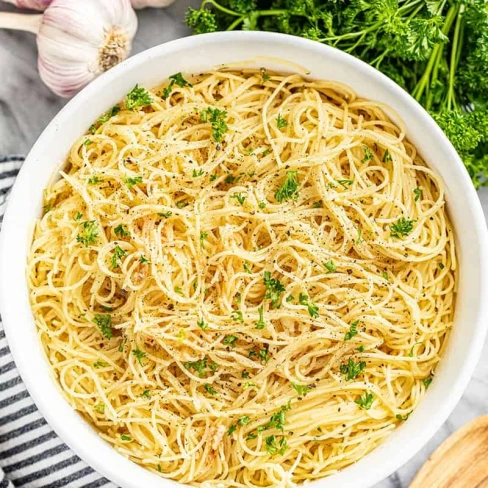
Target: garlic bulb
31	4
151	3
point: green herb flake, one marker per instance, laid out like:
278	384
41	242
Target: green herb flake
181	204
386	156
302	390
130	182
203	237
289	189
144	260
274	289
427	382
441	266
127	438
240	198
138	97
247	268
418	194
121	231
312	308
231	429
365	401
351	370
244	420
345	183
104	323
209	389
353	330
281	122
166	215
275	446
402	227
139	355
368	155
237	316
78	217
146	394
118	254
94	180
100	364
260	323
89	234
202	324
413	347
264	75
217	119
104	118
329	266
360	349
230	340
197	366
100	407
196	174
261	205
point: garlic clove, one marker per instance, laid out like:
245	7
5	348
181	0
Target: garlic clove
151	3
77	41
30	4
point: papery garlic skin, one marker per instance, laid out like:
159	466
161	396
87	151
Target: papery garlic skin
79	40
31	4
151	3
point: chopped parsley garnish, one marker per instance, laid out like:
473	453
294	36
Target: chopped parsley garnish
368	155
387	156
93	180
264	75
403	419
264	354
418	194
138	97
302	390
244	420
181	204
130	182
318	204
146	394
203	237
202	324
360	349
231	429
402	227
281	122
427	382
441	266
100	364
230	340
78	216
196	173
47	208
274	289
126	437
165	214
104	118
176	79
365	401
118	254
289	298
289	189
352	370
385	276
262	205
359	238
217	119
104	323
198	366
87	142
312	308
89	233
139	355
275	446
251	436
329	266
144	260
100	408
277	420
240	198
353	330
121	231
210	389
245	374
345	183
213	177
260	323
179	290
247	268
237	316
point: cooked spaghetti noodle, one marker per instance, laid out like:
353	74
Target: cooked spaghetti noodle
246	280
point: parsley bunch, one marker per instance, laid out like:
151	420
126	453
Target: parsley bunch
437	50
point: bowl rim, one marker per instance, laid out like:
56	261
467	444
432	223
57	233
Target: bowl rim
106	460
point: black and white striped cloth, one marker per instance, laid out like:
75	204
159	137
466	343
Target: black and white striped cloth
31	454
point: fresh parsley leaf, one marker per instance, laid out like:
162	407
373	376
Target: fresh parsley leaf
289	189
264	355
104	323
247	268
180	80
427	382
365	401
198	173
218	121
138	97
139	355
330	266
121	231
275	446
237	316
281	122
368	155
353	330
260	323
345	183
209	389
104	118
100	408
117	255
144	260
146	394
240	198
165	214
202	324
262	205
413	347
230	340
231	429
403	419
402	227
203	237
264	75
127	438
89	234
418	194
243	420
386	157
78	217
312	308
351	370
360	349
130	182
94	180
441	266
302	390
274	289
181	204
100	364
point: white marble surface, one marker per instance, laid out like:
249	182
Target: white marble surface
27	106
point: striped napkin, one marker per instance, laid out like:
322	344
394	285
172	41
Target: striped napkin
31	454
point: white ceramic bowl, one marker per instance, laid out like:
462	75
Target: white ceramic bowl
200	53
